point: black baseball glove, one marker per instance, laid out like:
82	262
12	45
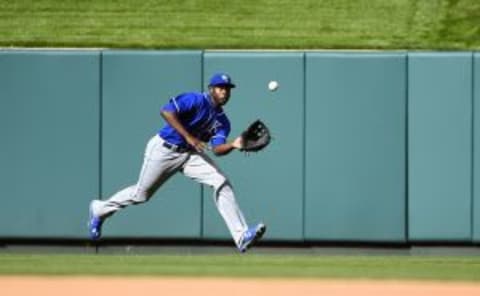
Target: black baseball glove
256	137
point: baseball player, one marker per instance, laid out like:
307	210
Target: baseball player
192	120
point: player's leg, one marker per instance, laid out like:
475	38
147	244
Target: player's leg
158	166
202	169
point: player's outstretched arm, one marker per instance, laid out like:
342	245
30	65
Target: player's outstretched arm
224	149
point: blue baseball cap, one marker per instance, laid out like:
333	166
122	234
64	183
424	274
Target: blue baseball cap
219	79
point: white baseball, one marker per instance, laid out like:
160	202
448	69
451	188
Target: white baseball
273	85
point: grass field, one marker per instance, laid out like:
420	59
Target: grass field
346	267
267	24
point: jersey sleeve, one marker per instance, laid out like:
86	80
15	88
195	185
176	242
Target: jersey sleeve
222	131
180	104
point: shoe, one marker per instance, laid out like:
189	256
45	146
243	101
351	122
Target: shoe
252	235
94	224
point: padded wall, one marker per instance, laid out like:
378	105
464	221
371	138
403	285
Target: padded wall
476	151
136	84
49	160
355	147
268	184
346	128
440	146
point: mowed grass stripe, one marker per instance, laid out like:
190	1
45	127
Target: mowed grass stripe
285	24
374	267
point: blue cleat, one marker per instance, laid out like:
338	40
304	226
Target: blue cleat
252	235
94	224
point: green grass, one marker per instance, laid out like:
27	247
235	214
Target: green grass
256	24
372	267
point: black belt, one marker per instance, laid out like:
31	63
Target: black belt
175	148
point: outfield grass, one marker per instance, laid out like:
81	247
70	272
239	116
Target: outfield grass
256	24
352	267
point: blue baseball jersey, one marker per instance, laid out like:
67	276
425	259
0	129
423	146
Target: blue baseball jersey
199	117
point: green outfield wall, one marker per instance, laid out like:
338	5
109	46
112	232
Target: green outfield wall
440	146
368	146
269	185
355	145
134	87
476	149
49	160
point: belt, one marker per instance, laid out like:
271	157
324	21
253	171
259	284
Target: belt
175	148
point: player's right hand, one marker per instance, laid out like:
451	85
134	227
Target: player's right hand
196	144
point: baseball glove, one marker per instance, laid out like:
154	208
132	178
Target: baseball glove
256	137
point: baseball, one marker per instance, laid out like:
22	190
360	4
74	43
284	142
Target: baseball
273	85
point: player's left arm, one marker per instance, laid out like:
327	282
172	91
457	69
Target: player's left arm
224	149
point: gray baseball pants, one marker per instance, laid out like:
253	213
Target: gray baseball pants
160	163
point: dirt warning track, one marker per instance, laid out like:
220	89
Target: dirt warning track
146	286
